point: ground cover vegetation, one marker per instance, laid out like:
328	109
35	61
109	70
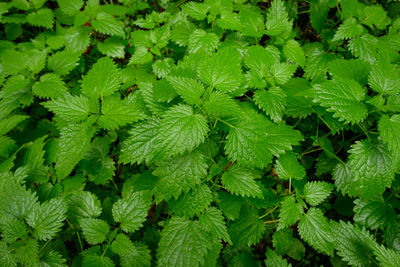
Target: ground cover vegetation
190	133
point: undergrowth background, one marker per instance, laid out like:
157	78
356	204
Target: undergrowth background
189	133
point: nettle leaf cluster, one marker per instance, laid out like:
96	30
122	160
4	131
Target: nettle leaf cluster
199	133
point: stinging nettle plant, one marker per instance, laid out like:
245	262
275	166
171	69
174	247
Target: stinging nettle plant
199	133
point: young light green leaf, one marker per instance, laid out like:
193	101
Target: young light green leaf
384	78
117	113
287	167
182	130
343	97
241	181
373	168
314	228
189	89
103	79
107	24
48	218
63	62
293	51
50	86
290	212
69	108
212	221
272	102
316	192
389	127
131	210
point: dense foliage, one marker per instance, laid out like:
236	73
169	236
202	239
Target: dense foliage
185	133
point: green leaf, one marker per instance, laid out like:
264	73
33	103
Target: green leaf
287	167
10	123
220	104
199	40
77	39
294	52
94	260
12	229
350	28
53	259
372	167
42	18
283	240
259	59
274	259
248	229
131	210
70	7
50	86
281	138
387	257
355	246
74	141
63	62
198	11
365	47
107	24
117	113
140	257
182	130
252	22
112	47
122	245
94	230
290	212
177	243
282	72
189	89
241	181
376	15
318	13
316	192
163	67
179	174
272	102
374	214
278	23
222	70
84	204
384	78
212	221
314	228
389	129
69	108
355	69
103	79
343	97
193	202
141	145
48	218
28	253
229	204
298	102
245	142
